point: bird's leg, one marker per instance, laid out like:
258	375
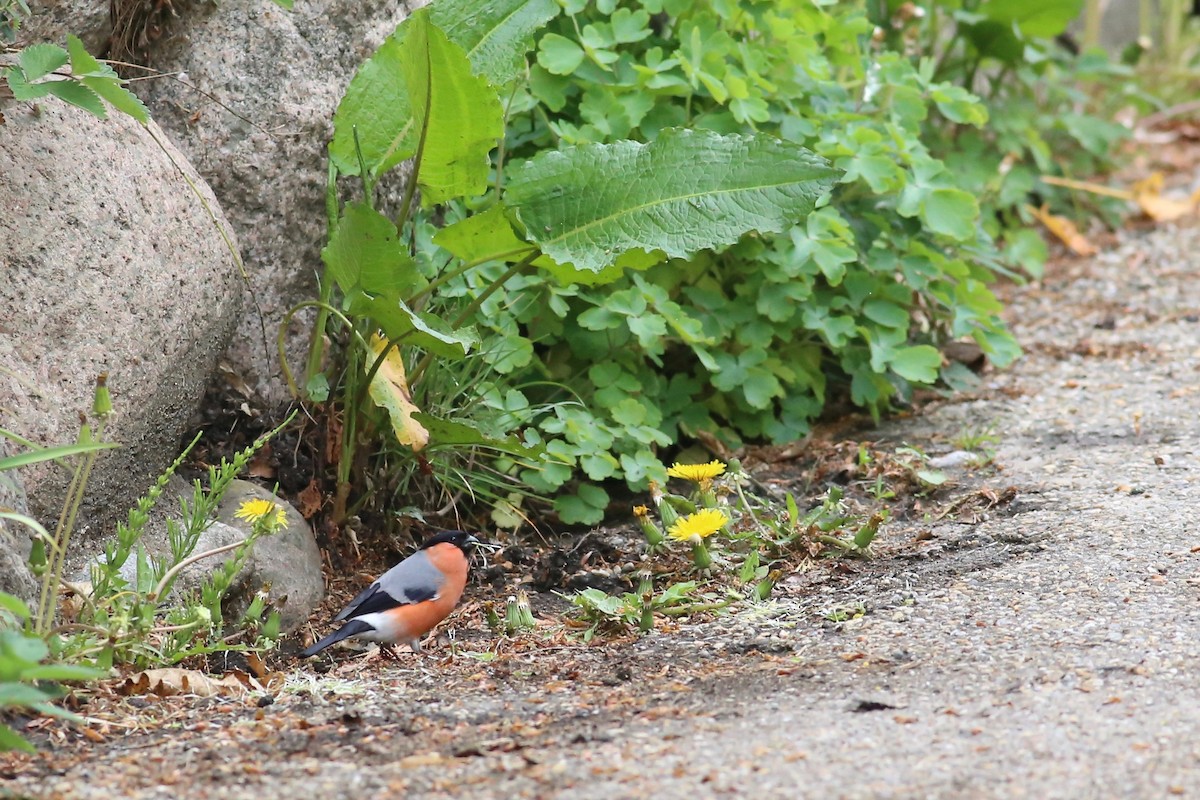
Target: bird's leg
388	651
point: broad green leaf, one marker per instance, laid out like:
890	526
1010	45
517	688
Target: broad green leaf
401	323
60	672
1042	18
495	34
586	507
11	740
376	106
364	256
101	79
447	433
21	694
686	191
918	363
419	79
118	97
80	96
14	605
886	313
52	454
22	89
39	60
951	212
558	55
487	236
460	110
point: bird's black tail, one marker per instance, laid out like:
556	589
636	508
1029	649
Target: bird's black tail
351	628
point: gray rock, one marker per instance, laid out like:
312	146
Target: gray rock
278	77
289	562
111	264
52	20
15	577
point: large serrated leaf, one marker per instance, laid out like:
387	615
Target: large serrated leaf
495	34
460	111
364	255
79	95
418	80
686	191
102	80
488	236
22	89
39	60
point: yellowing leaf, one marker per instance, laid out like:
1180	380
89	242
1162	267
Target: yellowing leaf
389	389
1147	193
1065	230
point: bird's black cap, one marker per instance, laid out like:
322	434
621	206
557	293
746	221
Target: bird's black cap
460	539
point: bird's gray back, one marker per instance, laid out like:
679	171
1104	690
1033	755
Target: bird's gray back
412	580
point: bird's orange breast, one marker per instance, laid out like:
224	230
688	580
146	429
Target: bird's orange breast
417	619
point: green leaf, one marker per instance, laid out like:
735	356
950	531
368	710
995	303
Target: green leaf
60	672
419	78
918	363
495	34
487	236
586	507
11	740
686	191
80	96
1041	18
411	329
378	109
886	313
15	605
52	454
39	60
558	55
22	89
364	256
446	433
459	109
118	97
951	212
22	694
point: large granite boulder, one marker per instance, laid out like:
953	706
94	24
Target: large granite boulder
114	261
271	80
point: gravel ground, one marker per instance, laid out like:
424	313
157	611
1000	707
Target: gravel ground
1048	650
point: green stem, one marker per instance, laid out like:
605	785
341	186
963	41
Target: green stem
316	344
411	187
281	337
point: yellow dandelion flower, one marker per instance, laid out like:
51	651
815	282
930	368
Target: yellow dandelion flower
254	510
697	473
641	511
702	524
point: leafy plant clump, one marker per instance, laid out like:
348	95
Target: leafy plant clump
415	308
699	220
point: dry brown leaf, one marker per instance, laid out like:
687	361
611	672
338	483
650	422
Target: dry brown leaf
389	390
1065	230
308	502
171	681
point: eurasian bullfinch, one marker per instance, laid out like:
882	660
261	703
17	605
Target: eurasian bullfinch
408	600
